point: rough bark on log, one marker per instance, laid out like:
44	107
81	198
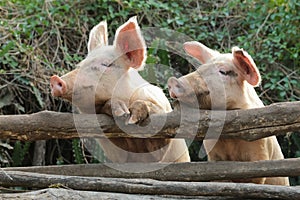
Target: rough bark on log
249	124
148	186
53	193
195	171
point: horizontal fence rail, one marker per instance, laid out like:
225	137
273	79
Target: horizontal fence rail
148	186
249	124
194	171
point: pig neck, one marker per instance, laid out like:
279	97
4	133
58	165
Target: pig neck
131	81
250	98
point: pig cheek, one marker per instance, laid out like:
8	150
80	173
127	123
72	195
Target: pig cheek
79	98
189	97
104	92
84	101
83	92
106	84
204	102
200	95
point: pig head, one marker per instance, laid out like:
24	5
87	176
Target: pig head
226	82
107	81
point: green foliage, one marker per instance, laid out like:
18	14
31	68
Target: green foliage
93	153
77	151
271	38
158	64
97	154
19	152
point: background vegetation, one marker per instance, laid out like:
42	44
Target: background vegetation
41	38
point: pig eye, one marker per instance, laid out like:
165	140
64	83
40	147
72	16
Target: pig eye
106	64
101	66
225	73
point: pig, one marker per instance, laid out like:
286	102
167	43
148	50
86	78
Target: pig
234	76
107	82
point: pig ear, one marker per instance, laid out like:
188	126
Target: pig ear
199	51
246	65
98	36
129	42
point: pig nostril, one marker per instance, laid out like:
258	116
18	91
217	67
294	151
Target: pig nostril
59	84
173	95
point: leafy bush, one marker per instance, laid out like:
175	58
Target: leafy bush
41	38
18	155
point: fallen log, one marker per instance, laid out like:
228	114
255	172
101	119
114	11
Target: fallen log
249	124
195	171
147	186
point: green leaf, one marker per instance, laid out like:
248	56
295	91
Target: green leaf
6	47
19	153
77	151
151	59
38	96
282	94
6	99
98	153
19	107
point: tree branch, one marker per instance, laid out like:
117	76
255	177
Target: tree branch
249	124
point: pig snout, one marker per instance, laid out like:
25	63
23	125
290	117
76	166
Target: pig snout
176	87
58	86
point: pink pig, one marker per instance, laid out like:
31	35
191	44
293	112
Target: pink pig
227	81
107	81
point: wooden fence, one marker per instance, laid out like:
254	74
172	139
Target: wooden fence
171	181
